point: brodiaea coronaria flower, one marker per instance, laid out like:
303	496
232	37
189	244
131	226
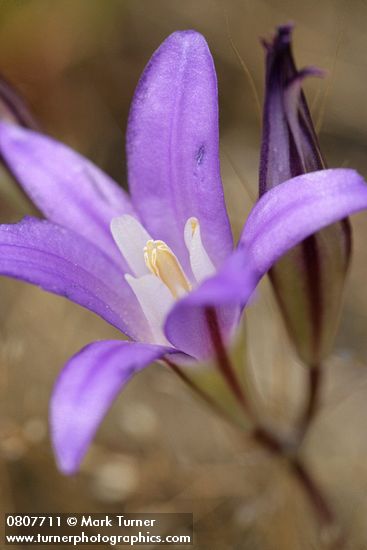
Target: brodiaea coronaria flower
155	263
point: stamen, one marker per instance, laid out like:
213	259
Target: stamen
162	262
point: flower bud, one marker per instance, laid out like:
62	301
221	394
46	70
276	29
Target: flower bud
309	280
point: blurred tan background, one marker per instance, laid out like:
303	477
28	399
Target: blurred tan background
77	63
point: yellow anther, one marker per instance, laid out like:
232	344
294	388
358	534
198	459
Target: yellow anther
162	262
193	224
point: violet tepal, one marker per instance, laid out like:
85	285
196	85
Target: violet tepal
309	280
152	263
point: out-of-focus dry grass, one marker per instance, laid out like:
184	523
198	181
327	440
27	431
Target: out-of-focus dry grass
77	63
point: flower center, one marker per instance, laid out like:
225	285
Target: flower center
163	263
156	276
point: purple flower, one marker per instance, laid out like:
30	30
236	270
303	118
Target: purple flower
153	263
309	280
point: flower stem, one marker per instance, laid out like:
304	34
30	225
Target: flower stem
312	403
315	496
268	441
331	532
313	492
223	361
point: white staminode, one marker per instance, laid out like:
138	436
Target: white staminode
155	300
159	277
201	265
131	237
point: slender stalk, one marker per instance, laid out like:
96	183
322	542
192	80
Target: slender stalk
322	510
320	505
269	441
312	403
223	361
318	501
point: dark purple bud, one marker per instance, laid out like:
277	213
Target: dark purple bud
309	280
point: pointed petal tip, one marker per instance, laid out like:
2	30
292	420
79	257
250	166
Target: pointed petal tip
311	70
66	463
296	82
65	466
285	29
281	38
283	33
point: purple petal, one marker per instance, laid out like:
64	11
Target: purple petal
173	150
299	207
65	186
85	390
187	326
281	219
63	262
